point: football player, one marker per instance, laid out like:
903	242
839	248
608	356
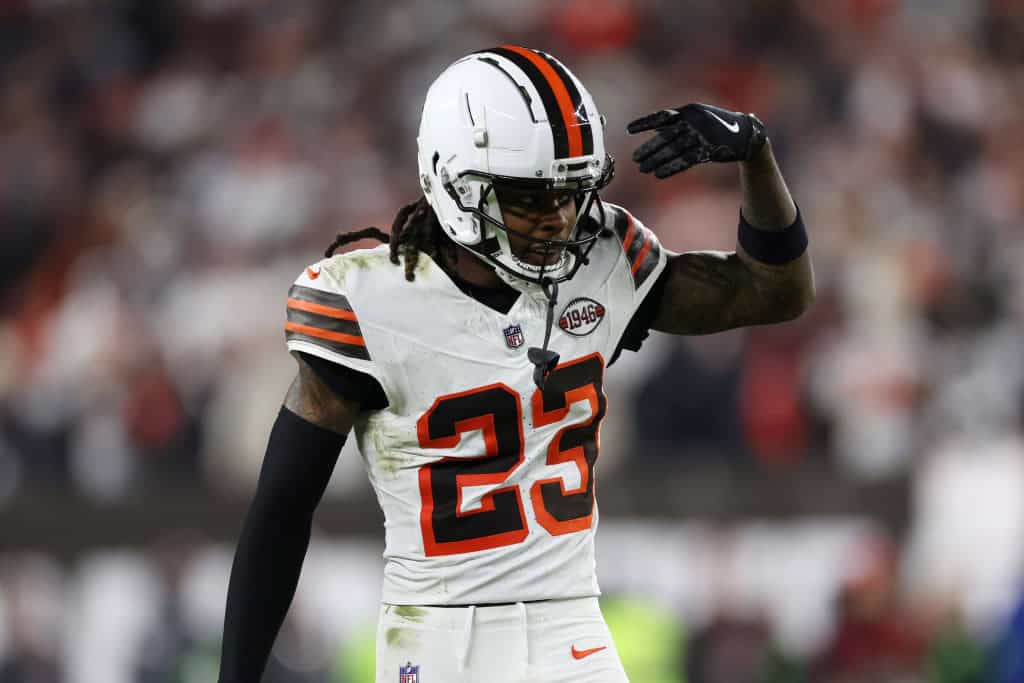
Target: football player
469	353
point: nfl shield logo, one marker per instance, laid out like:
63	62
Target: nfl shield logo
514	336
408	673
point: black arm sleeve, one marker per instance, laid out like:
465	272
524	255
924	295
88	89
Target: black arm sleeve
299	461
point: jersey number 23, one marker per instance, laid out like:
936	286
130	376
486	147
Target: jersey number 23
495	411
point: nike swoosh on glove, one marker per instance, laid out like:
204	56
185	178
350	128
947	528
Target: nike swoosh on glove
695	134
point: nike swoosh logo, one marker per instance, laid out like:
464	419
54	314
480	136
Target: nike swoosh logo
580	654
733	127
313	274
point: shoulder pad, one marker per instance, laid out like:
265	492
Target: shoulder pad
640	244
324	319
320	313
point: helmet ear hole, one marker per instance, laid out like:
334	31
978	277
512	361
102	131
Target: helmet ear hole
433	160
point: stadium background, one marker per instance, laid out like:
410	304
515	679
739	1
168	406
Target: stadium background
835	499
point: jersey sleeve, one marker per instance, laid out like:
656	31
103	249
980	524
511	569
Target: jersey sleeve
322	322
645	258
347	383
644	261
640	324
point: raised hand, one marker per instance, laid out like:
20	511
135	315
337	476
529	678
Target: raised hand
695	134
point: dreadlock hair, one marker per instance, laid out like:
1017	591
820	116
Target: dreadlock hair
414	230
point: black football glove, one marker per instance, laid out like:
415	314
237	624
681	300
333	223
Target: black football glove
695	134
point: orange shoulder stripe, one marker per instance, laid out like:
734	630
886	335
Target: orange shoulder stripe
638	261
324	334
627	239
320	309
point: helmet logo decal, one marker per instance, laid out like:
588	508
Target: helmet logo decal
514	336
570	125
581	317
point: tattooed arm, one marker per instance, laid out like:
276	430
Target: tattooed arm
714	291
316	403
304	444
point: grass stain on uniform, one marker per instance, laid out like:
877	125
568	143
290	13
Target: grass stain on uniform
399	637
387	444
340	264
423	265
389	463
388	460
358	260
411	613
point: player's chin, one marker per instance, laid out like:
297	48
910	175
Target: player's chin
536	257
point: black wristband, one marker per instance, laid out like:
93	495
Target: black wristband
775	247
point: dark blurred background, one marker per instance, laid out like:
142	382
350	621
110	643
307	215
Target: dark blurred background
838	499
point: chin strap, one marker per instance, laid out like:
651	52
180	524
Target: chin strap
544	359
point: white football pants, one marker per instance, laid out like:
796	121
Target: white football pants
551	641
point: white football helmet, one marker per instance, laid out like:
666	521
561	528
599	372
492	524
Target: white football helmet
519	118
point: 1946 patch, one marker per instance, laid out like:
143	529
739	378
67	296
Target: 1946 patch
581	317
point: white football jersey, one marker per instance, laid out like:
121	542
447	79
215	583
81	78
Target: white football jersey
487	484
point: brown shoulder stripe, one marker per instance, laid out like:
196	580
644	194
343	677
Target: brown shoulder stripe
621	222
641	246
647	260
324	319
319	296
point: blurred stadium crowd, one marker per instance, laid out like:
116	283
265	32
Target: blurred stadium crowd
167	168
